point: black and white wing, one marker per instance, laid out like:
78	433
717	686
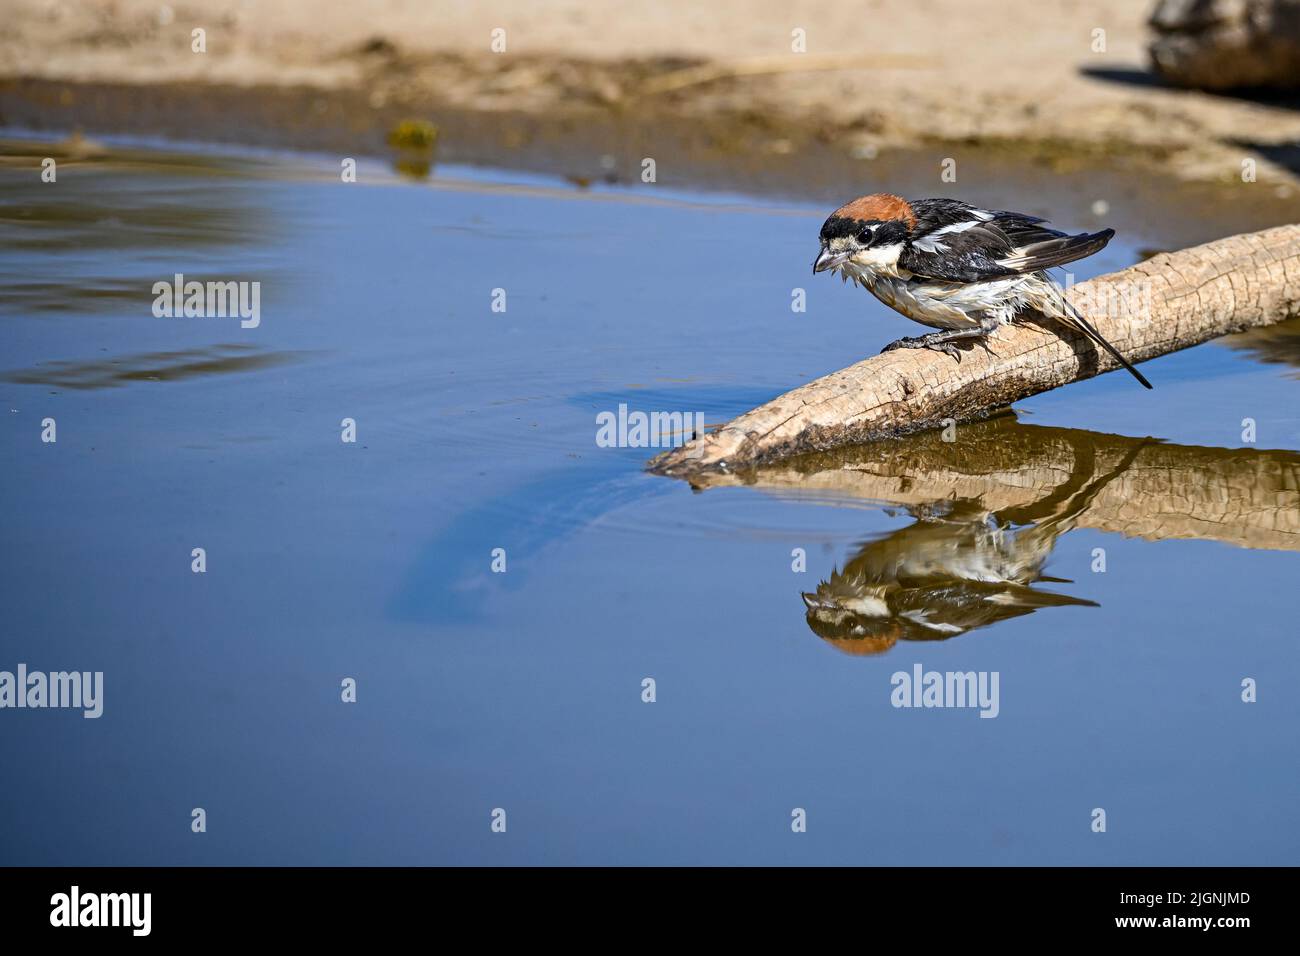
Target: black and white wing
956	242
1047	248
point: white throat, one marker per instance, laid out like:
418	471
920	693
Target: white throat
878	262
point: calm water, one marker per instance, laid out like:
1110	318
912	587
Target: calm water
522	690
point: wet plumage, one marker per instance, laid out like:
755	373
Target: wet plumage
956	267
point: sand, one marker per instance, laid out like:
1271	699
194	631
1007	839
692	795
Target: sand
1029	73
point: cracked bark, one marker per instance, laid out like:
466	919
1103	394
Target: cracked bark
1169	302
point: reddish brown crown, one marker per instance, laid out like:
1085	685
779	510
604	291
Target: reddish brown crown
878	206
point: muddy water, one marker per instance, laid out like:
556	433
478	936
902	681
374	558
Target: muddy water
476	430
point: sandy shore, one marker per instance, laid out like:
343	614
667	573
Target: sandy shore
1015	75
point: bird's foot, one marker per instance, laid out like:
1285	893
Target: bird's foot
936	341
907	342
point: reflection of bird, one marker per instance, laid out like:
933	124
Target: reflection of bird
956	267
940	577
958	567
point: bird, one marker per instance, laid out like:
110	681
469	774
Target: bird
960	565
956	267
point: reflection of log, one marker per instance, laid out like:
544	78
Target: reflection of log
1242	497
1170	302
1276	344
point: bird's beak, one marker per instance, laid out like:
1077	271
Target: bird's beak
828	260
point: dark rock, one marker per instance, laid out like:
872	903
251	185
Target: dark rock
1227	44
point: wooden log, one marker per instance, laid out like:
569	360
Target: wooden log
1169	302
1136	487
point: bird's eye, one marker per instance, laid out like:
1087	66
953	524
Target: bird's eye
865	236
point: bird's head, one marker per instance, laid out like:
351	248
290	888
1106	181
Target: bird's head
856	626
865	236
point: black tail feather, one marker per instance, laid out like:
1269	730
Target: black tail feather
1093	334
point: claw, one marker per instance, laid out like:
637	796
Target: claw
947	348
936	341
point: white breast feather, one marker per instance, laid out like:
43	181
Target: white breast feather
951	305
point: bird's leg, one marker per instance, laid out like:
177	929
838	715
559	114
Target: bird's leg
988	325
938	341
